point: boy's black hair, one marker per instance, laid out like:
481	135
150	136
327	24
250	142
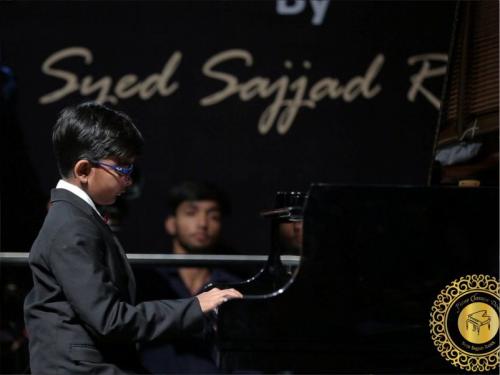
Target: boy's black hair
196	191
93	132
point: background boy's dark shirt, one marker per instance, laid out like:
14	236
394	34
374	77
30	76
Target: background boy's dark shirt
192	355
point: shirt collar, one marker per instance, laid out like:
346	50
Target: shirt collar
78	192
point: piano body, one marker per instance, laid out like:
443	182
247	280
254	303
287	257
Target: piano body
374	259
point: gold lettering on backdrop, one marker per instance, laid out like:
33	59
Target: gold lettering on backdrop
283	111
424	73
104	87
286	95
125	87
70	78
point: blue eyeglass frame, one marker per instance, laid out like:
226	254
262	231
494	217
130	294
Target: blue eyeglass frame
125	171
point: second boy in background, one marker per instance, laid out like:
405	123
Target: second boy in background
194	222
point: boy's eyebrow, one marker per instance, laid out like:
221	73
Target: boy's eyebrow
119	162
195	204
127	162
190	205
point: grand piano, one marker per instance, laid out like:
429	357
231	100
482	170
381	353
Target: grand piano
374	260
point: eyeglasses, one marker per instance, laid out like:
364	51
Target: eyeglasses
124	171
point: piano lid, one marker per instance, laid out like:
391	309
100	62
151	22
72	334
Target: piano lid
466	144
374	261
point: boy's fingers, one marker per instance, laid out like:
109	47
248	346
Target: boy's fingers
232	293
236	293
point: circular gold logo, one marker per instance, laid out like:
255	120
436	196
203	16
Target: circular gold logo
465	323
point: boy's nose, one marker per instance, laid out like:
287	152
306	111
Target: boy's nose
203	221
128	180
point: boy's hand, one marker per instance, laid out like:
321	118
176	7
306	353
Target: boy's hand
216	297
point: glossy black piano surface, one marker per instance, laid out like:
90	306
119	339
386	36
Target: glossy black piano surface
373	262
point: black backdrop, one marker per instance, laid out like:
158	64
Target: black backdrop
376	127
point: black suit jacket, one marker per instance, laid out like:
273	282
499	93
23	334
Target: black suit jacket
81	314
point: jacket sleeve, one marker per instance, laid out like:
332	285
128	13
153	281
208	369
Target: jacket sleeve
76	258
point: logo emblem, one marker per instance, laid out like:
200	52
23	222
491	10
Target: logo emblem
465	323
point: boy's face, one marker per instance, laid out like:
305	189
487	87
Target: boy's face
291	235
105	184
196	225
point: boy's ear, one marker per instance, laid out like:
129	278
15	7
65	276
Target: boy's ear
170	225
81	170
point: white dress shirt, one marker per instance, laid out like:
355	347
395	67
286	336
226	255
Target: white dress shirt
78	192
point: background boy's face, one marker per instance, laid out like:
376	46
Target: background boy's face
196	226
291	235
105	184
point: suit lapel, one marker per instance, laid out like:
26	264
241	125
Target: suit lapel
121	255
114	245
130	274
